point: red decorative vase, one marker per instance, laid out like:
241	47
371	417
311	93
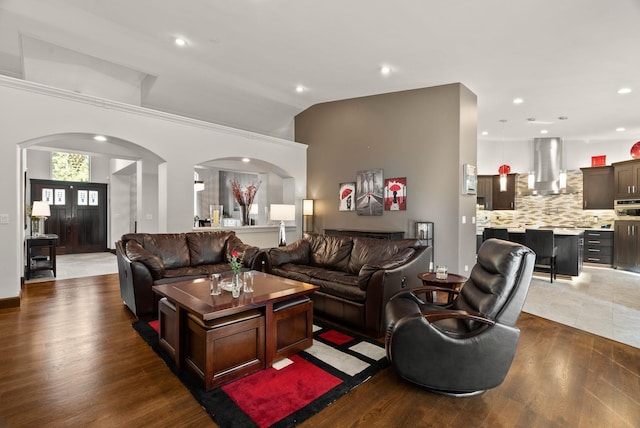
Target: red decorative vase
635	150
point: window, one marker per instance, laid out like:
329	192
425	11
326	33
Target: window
69	166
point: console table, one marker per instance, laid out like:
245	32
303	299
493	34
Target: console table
380	234
41	254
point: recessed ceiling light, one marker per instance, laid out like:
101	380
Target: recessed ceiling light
100	138
544	131
485	133
621	129
624	90
245	160
518	100
180	41
300	89
385	70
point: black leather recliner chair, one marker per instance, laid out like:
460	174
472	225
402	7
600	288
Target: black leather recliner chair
465	347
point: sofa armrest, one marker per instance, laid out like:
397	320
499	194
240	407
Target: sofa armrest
137	253
135	284
369	269
250	253
385	283
297	253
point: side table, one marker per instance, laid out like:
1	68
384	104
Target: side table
36	246
452	282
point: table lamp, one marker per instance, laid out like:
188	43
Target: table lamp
283	212
307	215
40	210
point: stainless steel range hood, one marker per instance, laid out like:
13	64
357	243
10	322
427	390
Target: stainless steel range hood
547	166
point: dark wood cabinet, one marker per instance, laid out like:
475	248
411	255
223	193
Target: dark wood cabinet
626	247
598	186
379	234
626	179
598	246
485	192
41	254
504	200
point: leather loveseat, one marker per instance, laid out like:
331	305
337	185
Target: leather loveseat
356	275
147	259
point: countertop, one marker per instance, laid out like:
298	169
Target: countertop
558	230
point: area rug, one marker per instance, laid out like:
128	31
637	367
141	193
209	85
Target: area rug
310	380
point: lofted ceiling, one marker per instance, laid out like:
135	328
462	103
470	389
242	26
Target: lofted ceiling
243	59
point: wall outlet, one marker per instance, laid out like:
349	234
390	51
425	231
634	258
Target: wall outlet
464	219
466	268
4	218
473	220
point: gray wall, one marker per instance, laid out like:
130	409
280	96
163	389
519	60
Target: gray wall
425	135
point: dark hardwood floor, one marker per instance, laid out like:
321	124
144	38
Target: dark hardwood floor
70	358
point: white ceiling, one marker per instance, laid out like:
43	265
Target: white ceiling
244	58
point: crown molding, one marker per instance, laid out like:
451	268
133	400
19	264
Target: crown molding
107	104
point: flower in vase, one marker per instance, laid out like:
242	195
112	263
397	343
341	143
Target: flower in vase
235	261
244	197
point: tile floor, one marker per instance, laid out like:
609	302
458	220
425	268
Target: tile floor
601	300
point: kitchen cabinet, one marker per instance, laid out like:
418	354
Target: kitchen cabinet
485	192
598	246
504	200
626	241
626	179
598	186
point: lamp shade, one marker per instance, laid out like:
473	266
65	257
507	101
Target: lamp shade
307	207
283	212
504	169
40	209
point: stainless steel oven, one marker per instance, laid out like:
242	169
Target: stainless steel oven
627	209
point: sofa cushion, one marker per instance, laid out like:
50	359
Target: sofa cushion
207	247
136	253
330	252
372	250
369	269
302	273
184	272
297	253
172	248
349	292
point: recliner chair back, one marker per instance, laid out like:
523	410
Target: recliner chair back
492	288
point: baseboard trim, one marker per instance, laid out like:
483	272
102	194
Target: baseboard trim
10	302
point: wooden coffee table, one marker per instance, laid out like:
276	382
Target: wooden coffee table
221	338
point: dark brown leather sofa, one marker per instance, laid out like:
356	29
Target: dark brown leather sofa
148	259
357	276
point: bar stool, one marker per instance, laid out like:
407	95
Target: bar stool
542	242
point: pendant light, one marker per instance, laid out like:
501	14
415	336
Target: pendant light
503	169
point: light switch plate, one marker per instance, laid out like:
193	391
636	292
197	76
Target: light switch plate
4	218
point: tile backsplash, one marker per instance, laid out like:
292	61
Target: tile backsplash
553	210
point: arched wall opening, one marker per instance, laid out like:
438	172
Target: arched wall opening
179	144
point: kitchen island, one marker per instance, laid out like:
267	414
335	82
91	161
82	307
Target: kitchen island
570	243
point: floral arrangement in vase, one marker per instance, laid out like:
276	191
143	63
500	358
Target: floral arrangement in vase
244	197
235	261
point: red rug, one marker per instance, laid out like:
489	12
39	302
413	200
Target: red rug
336	363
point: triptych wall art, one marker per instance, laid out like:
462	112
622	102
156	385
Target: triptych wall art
371	194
